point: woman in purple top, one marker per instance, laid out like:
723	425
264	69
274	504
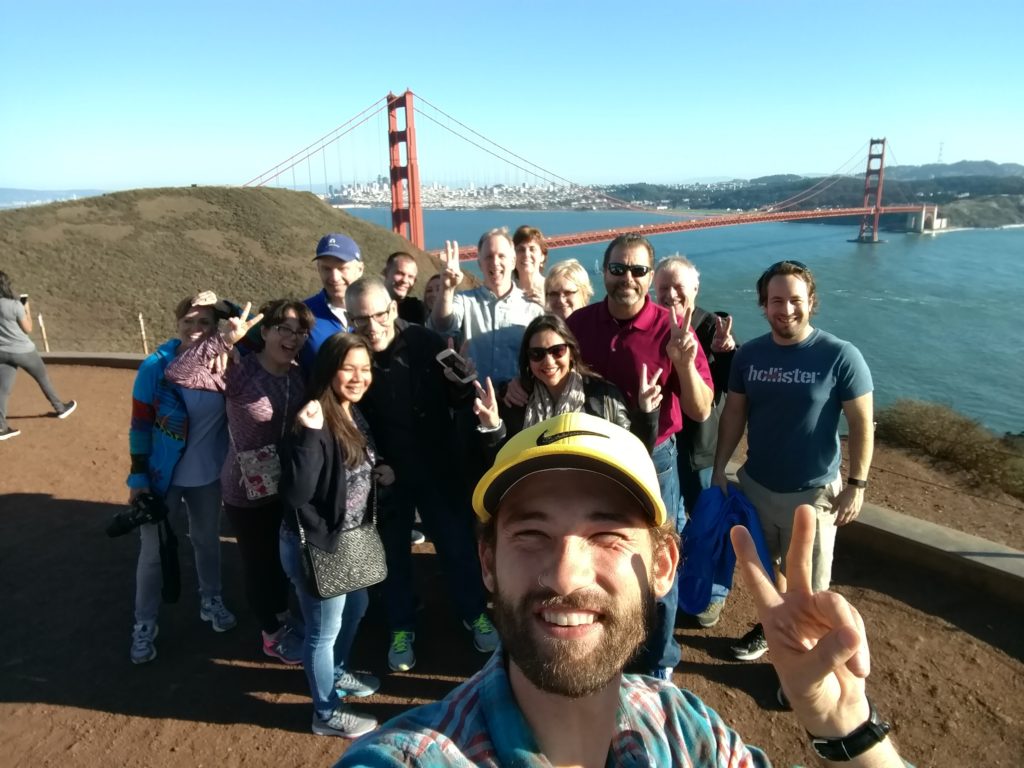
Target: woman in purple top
328	471
263	392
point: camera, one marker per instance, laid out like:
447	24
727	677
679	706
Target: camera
146	508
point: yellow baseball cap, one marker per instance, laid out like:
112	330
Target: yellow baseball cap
572	441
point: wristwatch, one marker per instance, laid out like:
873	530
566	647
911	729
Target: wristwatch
856	482
855	743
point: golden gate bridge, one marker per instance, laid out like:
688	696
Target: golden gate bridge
407	208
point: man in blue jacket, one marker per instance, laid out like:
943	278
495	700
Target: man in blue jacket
339	263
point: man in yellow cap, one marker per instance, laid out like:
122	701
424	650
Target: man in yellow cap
574	546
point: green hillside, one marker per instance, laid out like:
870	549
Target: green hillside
92	265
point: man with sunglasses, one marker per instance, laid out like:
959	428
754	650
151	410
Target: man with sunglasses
617	337
408	410
788	389
339	263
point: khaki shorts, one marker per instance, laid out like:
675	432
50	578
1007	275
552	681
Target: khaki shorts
775	511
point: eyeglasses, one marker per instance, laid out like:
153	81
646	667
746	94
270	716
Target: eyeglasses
536	354
364	320
561	294
617	269
290	333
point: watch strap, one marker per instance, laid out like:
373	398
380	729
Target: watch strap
856	482
856	743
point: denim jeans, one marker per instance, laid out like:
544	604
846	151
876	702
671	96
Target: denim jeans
331	627
33	365
691	483
447	519
662	648
202	505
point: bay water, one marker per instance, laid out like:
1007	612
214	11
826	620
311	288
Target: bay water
937	317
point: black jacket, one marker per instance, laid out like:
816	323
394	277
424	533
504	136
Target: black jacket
699	438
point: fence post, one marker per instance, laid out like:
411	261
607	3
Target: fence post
142	330
42	329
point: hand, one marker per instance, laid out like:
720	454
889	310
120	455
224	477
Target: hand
723	340
848	504
134	493
515	395
312	415
720	481
233	329
383	474
817	640
451	270
682	344
486	405
219	364
649	395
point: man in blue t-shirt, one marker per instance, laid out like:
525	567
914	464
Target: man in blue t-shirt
788	389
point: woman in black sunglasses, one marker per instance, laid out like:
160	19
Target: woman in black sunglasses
558	381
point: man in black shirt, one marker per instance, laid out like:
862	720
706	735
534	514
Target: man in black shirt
400	272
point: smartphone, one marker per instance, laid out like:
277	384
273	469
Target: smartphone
456	363
24	298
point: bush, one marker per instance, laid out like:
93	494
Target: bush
949	437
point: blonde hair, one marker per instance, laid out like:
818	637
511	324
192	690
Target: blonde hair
570	269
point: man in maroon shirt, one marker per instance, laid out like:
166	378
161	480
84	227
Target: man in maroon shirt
617	337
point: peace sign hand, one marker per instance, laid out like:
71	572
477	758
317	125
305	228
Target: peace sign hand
649	395
486	405
451	274
312	415
723	340
235	328
682	346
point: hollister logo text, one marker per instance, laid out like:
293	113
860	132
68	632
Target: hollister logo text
780	376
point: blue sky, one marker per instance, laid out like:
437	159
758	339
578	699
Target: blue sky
116	95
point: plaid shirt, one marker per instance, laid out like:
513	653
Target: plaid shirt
480	724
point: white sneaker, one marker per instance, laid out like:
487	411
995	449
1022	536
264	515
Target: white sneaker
143	645
345	723
213	610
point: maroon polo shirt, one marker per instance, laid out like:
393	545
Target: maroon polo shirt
617	348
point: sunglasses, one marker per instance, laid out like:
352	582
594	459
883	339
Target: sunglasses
536	354
617	269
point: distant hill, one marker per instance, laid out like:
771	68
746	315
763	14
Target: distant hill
950	170
19	198
92	265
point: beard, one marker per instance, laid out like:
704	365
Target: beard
564	667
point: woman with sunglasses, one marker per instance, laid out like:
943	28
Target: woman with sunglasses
263	393
557	381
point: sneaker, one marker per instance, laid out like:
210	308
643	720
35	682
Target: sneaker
345	723
358	684
283	645
213	611
143	645
752	645
710	615
401	657
8	432
67	410
485	638
662	673
780	696
418	537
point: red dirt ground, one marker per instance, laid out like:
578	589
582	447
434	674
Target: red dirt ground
947	660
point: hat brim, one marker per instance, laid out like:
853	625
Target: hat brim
346	258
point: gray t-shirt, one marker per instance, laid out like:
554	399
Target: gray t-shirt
12	338
207	443
795	394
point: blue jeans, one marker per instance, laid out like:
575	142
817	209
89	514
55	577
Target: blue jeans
691	483
662	648
202	504
331	627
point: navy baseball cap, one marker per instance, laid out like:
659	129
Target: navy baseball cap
339	246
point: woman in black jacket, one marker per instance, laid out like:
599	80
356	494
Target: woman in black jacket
557	381
327	476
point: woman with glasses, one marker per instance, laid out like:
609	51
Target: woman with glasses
567	288
263	392
557	381
177	440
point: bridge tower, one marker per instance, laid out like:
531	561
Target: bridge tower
406	212
874	177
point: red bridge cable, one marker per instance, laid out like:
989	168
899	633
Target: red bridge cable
791	201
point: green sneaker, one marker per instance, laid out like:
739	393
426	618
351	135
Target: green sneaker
485	637
401	657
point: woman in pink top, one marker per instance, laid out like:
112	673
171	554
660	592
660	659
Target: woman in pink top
263	393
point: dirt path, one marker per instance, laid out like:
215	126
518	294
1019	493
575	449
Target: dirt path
947	661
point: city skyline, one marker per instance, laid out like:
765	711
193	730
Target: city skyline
128	95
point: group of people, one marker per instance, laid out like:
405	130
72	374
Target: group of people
347	390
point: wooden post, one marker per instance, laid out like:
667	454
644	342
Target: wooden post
142	330
42	330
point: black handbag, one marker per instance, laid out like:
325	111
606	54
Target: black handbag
357	562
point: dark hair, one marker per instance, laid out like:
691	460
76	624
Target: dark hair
527	234
329	360
274	311
557	325
628	240
6	292
787	267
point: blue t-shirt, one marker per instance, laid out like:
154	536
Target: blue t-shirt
207	444
795	394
